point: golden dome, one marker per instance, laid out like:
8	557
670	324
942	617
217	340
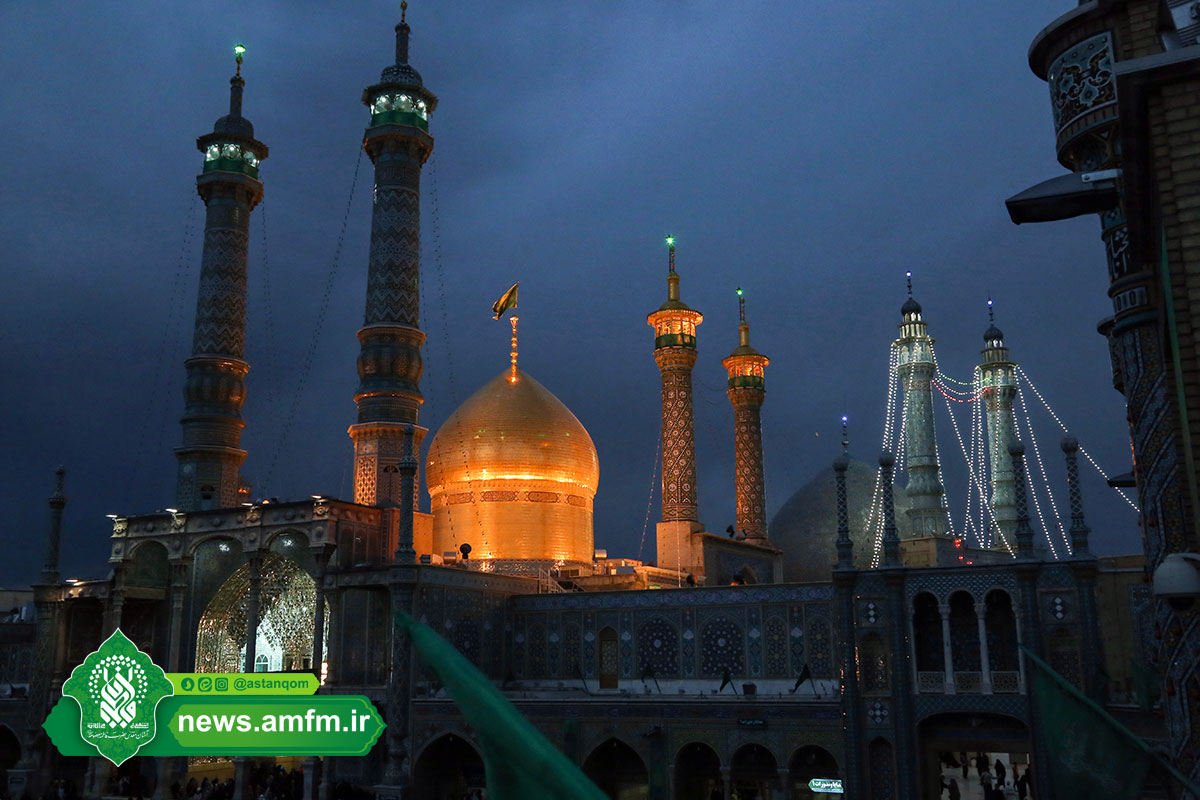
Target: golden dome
513	473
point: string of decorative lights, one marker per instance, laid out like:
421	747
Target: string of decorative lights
968	524
1063	425
271	355
1037	506
314	340
875	515
979	438
973	480
949	393
889	416
946	377
435	230
1042	469
167	348
650	499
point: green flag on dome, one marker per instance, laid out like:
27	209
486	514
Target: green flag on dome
521	763
507	300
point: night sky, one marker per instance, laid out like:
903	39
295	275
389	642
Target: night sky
810	153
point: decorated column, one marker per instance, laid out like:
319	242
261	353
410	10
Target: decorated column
389	362
998	384
211	456
916	369
746	367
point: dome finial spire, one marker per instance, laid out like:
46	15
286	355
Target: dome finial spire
743	326
991	310
909	276
402	31
236	83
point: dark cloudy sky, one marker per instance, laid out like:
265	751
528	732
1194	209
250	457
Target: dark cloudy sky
809	152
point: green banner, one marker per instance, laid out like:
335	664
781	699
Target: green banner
196	725
520	762
1090	753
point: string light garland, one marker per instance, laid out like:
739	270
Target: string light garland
973	480
1062	425
1042	468
1037	506
650	499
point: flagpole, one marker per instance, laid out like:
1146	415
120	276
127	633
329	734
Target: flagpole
1080	697
513	354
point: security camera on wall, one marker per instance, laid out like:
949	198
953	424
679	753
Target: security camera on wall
1177	580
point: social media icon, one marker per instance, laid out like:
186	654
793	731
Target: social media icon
222	684
205	684
187	684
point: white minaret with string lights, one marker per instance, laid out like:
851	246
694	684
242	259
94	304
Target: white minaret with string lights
997	388
916	368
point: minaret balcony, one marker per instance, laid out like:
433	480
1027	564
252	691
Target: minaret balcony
746	381
400	109
675	340
231	158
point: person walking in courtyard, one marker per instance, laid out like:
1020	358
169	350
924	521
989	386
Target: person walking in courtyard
955	794
965	763
999	772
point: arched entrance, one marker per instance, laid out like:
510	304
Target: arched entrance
753	772
698	773
954	746
10	754
618	771
807	763
448	769
286	620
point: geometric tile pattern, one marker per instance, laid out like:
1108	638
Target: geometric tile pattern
393	276
751	511
221	303
678	447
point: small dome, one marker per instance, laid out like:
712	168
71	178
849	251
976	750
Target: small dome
993	334
234	125
910	306
805	527
514	472
401	73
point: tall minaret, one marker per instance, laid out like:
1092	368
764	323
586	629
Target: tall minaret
389	363
998	382
916	369
746	367
675	351
211	455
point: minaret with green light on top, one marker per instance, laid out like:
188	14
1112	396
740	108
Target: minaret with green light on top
674	326
389	363
211	455
746	368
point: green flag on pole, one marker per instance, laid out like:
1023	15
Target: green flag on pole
1090	753
521	764
507	300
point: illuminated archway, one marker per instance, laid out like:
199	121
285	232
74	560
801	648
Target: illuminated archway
286	612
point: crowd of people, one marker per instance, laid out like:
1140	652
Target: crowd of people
997	781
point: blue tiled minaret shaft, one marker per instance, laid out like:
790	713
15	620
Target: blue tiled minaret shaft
998	381
389	363
916	370
211	456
